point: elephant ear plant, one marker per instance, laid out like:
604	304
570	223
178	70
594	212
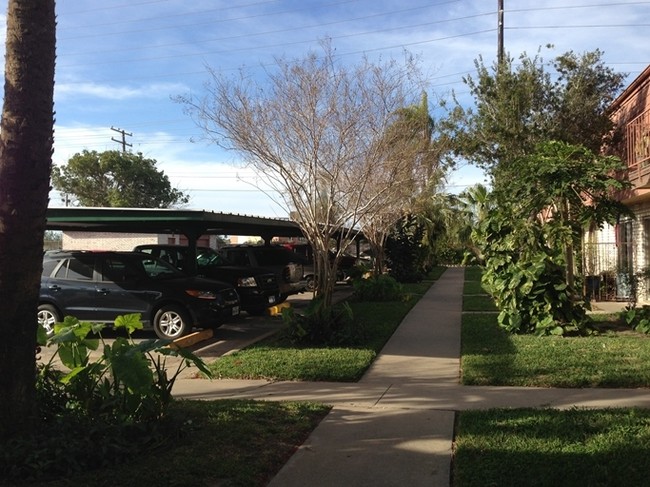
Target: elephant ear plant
128	383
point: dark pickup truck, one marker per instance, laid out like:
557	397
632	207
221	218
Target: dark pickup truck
287	265
257	287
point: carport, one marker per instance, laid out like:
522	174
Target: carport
190	223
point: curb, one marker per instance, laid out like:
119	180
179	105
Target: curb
192	339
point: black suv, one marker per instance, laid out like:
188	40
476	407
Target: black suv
100	286
257	287
287	265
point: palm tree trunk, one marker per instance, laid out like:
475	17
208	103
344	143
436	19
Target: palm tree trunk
25	163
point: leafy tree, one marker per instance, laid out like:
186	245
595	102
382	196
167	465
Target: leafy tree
315	131
530	234
517	107
525	275
567	187
26	132
438	216
116	179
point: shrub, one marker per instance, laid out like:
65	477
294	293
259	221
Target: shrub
128	383
322	325
638	318
405	255
100	413
378	288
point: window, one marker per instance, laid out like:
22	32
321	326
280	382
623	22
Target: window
115	270
625	246
76	269
48	267
238	258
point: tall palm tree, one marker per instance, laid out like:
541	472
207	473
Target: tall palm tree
26	133
408	138
475	204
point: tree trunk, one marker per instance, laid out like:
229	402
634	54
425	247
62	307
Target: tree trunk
325	276
25	163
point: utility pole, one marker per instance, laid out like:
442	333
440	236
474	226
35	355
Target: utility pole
123	141
500	48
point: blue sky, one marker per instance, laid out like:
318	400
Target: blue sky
119	63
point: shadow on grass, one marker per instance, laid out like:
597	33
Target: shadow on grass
548	447
487	351
479	302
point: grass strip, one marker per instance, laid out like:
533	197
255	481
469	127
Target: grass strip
540	448
473	273
274	360
490	356
473	287
478	302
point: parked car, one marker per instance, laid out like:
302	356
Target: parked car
257	287
288	266
100	286
346	263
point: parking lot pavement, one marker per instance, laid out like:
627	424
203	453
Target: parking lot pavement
228	338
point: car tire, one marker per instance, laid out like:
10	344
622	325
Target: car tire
171	322
311	283
48	315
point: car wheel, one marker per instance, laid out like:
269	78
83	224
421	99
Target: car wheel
47	317
311	283
171	322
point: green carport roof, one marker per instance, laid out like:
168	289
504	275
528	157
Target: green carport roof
192	223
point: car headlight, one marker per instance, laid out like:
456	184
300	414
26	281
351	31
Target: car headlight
246	282
195	293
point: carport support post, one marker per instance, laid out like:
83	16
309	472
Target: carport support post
190	265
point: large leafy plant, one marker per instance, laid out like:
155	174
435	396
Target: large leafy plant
129	382
526	277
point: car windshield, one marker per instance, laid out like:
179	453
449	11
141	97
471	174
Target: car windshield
208	257
158	269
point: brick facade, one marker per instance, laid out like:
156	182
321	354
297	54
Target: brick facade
125	241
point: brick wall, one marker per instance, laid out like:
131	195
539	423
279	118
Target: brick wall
108	241
125	241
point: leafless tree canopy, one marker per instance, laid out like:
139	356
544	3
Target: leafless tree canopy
316	130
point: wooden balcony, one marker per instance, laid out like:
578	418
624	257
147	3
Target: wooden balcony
637	156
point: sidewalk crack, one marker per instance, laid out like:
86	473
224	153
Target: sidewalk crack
382	395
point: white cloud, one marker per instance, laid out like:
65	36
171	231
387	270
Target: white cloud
113	92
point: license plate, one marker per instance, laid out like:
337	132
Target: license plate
271	299
235	310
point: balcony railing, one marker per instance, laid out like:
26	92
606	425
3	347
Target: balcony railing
637	150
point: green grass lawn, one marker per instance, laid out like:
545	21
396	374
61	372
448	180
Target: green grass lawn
545	447
478	302
275	360
551	448
490	356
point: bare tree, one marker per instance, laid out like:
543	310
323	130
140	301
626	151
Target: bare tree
25	162
315	131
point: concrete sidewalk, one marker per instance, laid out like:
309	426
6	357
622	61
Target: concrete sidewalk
395	426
